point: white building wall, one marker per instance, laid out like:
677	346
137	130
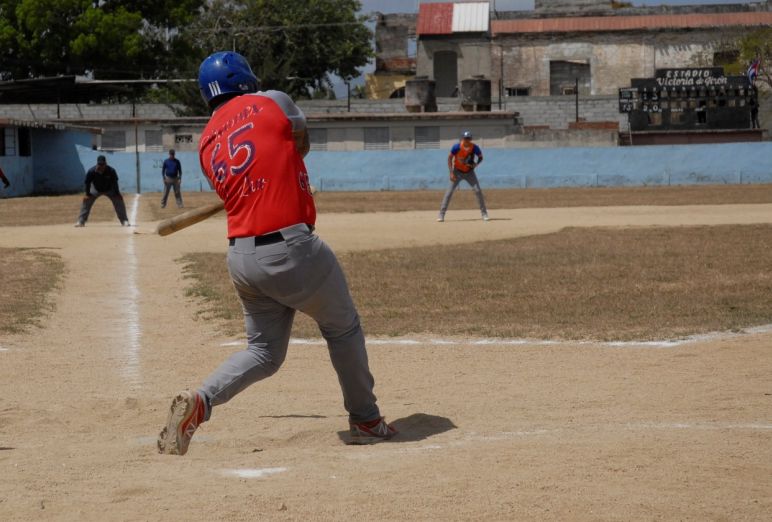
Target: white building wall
614	58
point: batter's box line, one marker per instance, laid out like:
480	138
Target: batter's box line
666	343
478	438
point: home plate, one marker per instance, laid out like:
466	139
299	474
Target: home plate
252	472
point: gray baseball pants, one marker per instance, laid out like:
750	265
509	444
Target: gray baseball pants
471	178
273	281
170	183
90	199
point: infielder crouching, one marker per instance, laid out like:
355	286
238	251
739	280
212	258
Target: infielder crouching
102	180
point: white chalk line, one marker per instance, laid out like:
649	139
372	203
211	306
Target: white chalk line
477	438
705	426
666	343
251	472
131	371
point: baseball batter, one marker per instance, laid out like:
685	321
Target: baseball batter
461	165
252	153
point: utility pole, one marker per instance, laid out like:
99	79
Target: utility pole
136	141
576	97
501	73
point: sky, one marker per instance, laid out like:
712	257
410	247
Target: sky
411	6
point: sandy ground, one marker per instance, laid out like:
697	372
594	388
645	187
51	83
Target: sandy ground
489	431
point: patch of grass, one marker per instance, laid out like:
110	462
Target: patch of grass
49	210
599	284
354	202
53	210
151	204
211	287
27	283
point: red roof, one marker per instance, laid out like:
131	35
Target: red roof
628	23
435	19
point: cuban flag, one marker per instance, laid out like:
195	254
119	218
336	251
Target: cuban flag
753	70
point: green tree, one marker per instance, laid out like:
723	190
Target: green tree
164	14
742	52
162	21
110	38
50	37
292	46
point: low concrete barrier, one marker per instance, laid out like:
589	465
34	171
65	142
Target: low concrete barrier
729	163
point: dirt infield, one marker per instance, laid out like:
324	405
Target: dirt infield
491	430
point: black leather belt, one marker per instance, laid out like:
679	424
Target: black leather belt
266	239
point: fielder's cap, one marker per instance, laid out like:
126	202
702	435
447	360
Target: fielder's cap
466	134
101	160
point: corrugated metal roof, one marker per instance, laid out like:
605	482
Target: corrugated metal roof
448	18
629	23
471	17
34	124
435	19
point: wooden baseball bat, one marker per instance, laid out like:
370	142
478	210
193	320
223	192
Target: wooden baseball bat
191	217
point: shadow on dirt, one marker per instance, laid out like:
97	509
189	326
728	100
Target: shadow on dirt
418	426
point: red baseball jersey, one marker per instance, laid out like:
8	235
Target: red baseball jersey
248	152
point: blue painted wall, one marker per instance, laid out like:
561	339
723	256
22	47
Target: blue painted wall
56	160
543	168
503	168
19	172
53	167
150	180
66	157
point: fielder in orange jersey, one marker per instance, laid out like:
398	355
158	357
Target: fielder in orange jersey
252	153
464	157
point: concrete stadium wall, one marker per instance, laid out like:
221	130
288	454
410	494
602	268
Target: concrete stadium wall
69	174
53	166
56	162
733	163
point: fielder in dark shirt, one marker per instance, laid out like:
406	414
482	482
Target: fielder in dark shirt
5	181
171	172
102	180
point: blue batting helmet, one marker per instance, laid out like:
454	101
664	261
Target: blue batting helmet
466	134
225	73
